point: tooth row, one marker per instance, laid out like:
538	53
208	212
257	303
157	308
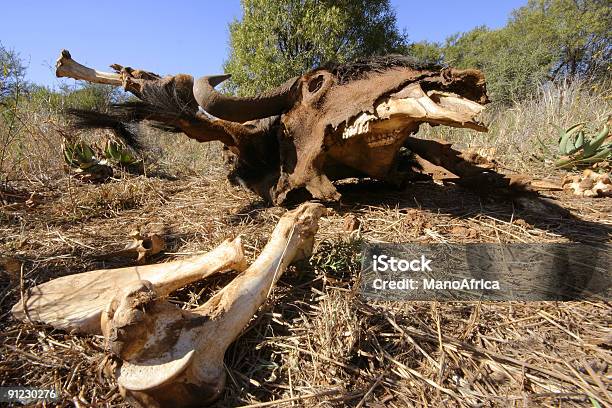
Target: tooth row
360	126
381	140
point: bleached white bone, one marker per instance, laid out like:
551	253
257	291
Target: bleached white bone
66	67
76	302
173	357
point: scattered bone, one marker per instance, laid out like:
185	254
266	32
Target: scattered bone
589	184
12	267
143	246
173	357
76	302
351	223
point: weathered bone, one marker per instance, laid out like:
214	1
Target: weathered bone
413	105
142	247
588	184
67	67
76	302
145	246
132	80
173	357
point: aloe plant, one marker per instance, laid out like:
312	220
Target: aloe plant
82	159
117	153
78	154
577	148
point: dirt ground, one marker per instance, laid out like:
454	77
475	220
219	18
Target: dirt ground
316	342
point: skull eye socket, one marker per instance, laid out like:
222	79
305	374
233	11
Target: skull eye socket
315	84
147	244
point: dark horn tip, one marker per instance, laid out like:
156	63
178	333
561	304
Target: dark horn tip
215	80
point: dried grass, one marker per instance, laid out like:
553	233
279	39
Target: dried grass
523	134
317	342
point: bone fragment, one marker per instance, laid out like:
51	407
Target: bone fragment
173	357
75	302
434	107
142	247
69	68
589	184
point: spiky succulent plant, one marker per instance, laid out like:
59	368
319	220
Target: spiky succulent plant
81	159
78	154
118	153
578	148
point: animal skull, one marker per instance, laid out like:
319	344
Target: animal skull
335	122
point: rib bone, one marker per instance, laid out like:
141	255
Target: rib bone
76	302
172	357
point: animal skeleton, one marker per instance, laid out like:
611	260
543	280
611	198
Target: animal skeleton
169	357
335	122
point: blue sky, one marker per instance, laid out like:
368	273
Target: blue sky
185	35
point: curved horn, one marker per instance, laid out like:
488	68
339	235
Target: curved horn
242	109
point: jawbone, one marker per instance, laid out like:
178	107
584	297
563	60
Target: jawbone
369	142
413	105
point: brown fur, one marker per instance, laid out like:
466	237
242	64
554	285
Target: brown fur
301	146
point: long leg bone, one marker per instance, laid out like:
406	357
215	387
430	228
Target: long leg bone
76	302
67	67
130	79
174	358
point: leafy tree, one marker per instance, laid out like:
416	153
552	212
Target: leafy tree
278	39
429	52
513	67
12	73
581	34
544	40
